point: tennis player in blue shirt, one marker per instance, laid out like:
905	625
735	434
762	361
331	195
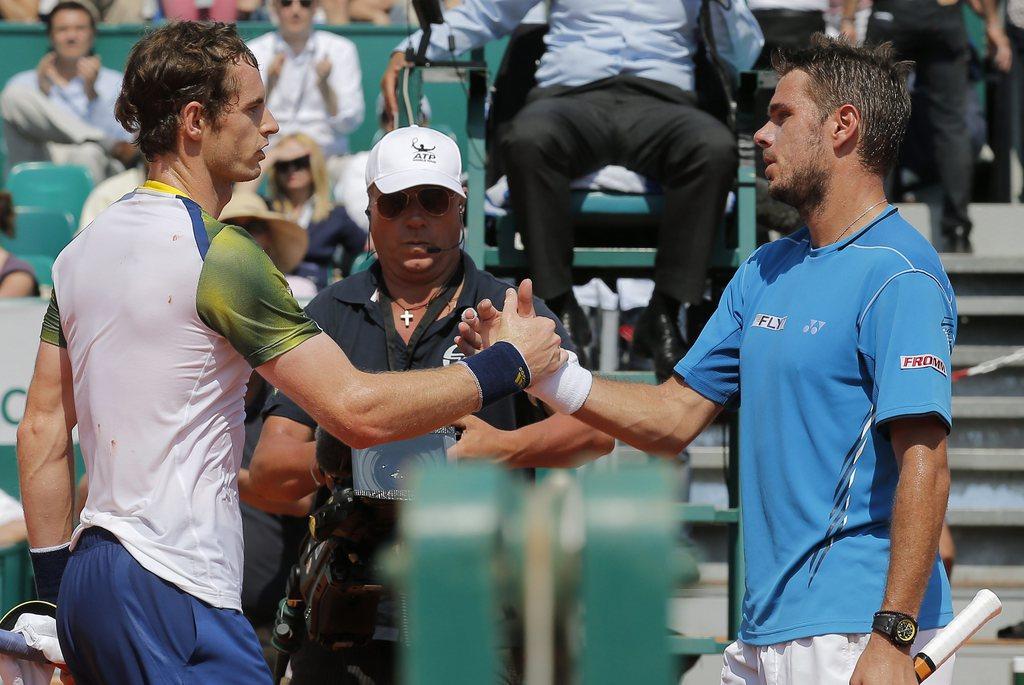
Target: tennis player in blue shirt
836	340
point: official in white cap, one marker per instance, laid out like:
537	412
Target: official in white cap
404	312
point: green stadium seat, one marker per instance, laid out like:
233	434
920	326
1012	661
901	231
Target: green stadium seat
43	266
40	231
16	585
42	184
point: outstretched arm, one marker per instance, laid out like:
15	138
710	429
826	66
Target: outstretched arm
556	442
661	419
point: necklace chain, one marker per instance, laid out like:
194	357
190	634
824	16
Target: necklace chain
859	217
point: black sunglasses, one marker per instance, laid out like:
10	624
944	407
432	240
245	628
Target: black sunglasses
297	164
434	201
305	3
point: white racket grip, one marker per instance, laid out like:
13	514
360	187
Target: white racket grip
981	610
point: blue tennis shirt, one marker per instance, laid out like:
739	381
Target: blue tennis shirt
824	347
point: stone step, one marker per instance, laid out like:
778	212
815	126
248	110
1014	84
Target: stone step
963	264
986	518
990	305
1007	381
1010	408
984	275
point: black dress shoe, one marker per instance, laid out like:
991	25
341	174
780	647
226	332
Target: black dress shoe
575	322
957	239
657	335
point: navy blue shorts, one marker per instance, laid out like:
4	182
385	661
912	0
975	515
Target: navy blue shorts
119	624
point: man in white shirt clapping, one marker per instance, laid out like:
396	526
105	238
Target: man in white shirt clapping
313	79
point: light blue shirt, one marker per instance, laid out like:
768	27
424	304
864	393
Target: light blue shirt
72	98
823	347
590	40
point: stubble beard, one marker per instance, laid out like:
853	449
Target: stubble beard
805	191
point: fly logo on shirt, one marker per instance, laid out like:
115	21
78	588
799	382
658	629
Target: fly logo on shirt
423	153
923	361
772	323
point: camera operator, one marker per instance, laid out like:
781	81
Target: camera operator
404	313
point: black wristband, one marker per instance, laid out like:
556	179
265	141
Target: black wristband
48	566
500	371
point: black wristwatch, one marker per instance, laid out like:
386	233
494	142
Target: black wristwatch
899	628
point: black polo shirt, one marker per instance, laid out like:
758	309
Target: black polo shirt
349	312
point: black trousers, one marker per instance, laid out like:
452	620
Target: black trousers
934	37
786	29
650	127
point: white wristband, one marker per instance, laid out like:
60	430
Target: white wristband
567	389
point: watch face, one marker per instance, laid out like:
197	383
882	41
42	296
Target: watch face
905	631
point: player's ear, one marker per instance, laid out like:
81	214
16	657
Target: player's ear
193	119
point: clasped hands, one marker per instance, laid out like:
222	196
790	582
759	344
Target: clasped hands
557	379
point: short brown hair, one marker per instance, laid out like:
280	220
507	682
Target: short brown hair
869	78
174	65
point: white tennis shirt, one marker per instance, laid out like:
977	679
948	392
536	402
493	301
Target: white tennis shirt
164	312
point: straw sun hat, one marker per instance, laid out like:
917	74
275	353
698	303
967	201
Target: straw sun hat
289	241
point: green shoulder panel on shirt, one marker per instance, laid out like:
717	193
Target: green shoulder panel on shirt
52	333
242	296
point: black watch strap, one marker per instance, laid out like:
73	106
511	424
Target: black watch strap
899	628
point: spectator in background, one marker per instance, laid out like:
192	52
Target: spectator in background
17	278
934	36
282	239
112	11
601	100
313	80
201	10
853	25
19	10
111	190
300	190
787	24
63	110
12	521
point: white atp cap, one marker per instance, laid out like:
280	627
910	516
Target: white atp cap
415	156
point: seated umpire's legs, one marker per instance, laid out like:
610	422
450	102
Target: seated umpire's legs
650	127
561	134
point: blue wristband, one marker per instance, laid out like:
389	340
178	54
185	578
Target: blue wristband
500	371
48	565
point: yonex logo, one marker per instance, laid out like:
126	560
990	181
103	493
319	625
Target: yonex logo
814	326
772	323
923	361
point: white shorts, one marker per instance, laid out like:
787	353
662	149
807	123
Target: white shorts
822	660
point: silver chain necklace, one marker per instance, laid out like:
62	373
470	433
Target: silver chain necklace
859	217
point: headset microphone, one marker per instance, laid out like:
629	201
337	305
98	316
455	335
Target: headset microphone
456	246
439	250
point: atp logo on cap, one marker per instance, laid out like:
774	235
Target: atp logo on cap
520	379
423	153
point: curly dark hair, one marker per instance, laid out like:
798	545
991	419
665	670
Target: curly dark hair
176	64
6	214
869	78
